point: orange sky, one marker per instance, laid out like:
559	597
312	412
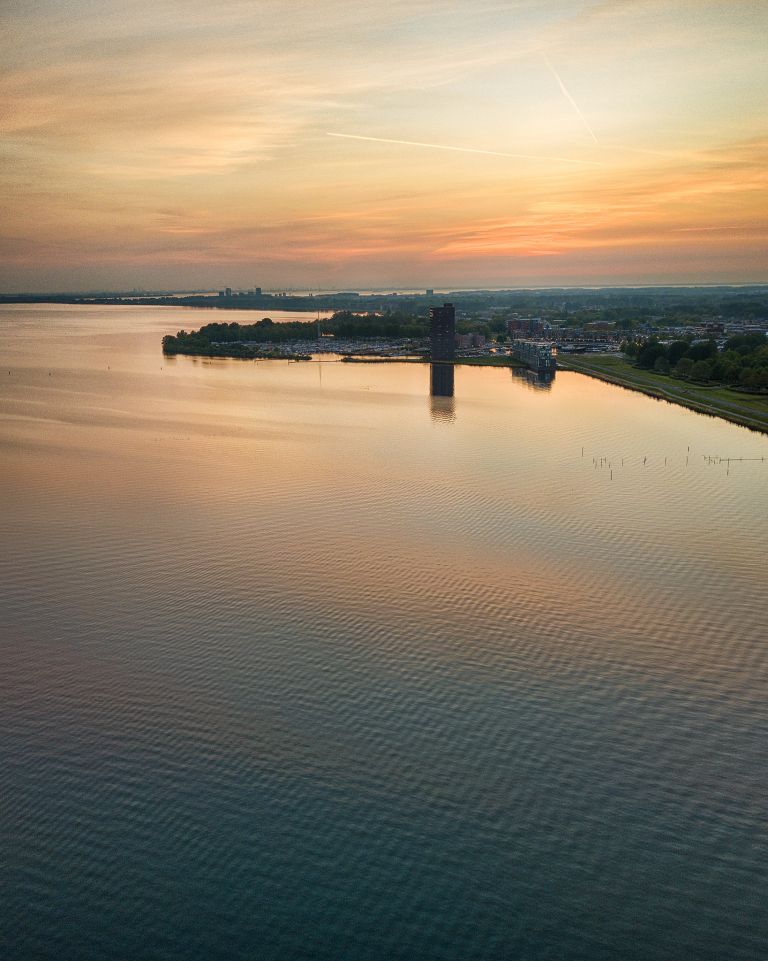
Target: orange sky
172	144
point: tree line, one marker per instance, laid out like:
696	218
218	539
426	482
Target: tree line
741	362
225	338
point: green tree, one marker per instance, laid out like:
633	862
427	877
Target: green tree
704	350
649	353
701	371
676	350
755	378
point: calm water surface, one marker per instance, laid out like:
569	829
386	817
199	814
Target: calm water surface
299	663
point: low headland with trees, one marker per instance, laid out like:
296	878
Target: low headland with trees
393	335
253	340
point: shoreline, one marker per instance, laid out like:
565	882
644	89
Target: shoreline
488	361
626	376
753	420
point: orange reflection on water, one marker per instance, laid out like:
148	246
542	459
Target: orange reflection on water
565	520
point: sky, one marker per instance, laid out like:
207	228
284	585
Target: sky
163	144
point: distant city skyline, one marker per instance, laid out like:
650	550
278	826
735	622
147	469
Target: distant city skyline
437	144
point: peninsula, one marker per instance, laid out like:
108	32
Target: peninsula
714	368
393	336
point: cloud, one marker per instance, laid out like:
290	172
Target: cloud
187	135
472	150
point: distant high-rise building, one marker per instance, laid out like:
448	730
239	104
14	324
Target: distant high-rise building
442	332
227	291
430	292
257	291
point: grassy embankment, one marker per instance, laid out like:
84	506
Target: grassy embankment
740	407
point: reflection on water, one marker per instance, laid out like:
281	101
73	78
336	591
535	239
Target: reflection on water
290	672
442	403
536	380
441	380
443	409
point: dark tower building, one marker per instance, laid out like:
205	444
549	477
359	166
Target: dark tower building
442	332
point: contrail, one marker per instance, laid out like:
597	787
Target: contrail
680	230
570	99
489	153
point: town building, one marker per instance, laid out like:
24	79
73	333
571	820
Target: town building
442	332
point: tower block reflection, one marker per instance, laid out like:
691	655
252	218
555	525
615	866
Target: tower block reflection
442	334
441	402
441	380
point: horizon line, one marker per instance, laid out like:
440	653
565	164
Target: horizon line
412	288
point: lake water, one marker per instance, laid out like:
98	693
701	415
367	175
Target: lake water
301	663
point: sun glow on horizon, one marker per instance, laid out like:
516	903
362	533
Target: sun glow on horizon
537	143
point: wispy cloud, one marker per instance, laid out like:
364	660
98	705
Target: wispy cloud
184	135
474	150
566	93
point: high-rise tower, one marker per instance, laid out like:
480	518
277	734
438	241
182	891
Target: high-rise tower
442	332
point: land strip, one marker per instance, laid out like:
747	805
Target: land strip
487	360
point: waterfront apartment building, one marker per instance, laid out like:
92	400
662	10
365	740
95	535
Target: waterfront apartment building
536	355
442	332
